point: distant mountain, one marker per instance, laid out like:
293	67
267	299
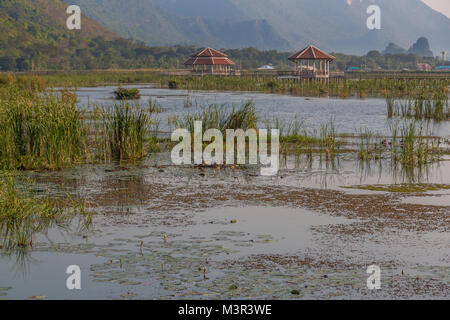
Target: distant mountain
334	25
340	25
155	24
392	48
215	10
421	48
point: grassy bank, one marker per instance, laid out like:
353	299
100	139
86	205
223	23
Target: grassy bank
268	84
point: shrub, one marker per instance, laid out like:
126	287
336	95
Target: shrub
127	94
172	84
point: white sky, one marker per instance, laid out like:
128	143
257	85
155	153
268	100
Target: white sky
439	5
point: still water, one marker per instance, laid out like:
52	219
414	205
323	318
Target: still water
348	115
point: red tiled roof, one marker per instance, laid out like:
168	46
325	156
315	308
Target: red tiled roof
209	56
312	53
208	61
209	52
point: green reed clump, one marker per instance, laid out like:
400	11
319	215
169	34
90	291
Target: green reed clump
154	106
23	214
328	134
390	103
297	140
39	130
221	117
187	102
370	146
412	145
127	94
124	131
420	108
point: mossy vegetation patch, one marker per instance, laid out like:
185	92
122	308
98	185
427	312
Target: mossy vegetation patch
407	188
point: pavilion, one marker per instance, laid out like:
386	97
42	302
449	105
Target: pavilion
209	61
312	62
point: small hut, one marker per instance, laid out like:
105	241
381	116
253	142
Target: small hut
312	62
210	61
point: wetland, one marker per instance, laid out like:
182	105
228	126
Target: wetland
91	183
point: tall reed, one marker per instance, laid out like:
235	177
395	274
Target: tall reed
40	130
124	130
221	117
421	107
412	145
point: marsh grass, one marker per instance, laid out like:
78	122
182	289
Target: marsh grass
328	134
123	132
154	106
45	130
40	130
412	145
24	214
371	146
421	107
394	87
409	146
408	151
296	140
221	117
25	83
306	87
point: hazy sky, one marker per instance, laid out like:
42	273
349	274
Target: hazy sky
440	5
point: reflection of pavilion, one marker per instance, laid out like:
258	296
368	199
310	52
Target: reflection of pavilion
312	62
209	61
